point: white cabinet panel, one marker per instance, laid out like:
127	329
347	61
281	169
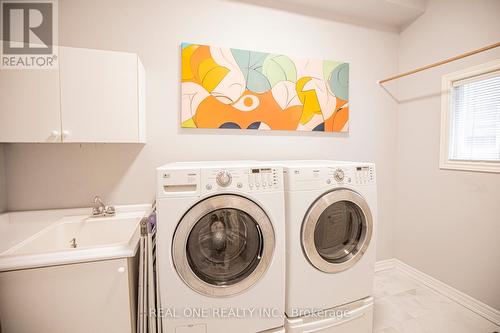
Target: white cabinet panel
94	297
141	93
95	96
30	106
99	95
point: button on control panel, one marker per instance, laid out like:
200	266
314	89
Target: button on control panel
224	178
339	175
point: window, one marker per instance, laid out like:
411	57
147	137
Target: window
470	119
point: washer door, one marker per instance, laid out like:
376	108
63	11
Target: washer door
337	231
223	245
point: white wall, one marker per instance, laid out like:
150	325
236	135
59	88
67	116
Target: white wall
448	222
46	176
3	181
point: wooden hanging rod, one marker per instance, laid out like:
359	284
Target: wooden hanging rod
463	55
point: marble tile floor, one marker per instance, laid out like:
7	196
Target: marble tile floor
403	305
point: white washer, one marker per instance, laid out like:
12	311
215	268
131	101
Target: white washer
220	245
331	212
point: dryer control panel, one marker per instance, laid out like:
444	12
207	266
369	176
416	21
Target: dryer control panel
309	178
356	175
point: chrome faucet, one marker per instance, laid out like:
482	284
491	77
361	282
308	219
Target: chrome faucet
100	209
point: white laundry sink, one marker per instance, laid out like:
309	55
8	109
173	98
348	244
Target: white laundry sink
83	234
44	273
79	238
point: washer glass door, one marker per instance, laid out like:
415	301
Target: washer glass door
337	230
223	245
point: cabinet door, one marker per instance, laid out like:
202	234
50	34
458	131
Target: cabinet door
77	298
99	96
29	106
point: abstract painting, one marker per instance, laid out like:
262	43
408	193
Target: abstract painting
240	89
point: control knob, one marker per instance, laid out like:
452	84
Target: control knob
339	175
224	178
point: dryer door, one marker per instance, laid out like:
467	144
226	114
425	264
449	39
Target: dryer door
337	230
223	245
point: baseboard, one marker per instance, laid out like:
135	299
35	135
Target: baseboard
461	298
384	265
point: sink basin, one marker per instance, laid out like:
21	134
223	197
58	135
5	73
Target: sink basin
86	234
76	239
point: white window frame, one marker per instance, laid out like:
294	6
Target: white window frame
446	88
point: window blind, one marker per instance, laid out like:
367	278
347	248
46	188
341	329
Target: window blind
475	119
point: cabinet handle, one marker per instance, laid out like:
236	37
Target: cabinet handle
54	133
121	269
65	134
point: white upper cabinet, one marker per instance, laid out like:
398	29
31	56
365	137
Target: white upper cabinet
29	106
99	96
95	96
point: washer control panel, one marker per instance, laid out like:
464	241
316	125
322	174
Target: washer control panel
263	178
180	182
256	179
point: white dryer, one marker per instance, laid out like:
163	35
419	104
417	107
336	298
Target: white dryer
331	212
220	245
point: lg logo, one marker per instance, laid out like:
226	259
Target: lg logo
27	27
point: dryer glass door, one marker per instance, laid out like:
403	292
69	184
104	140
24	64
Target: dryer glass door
223	245
337	230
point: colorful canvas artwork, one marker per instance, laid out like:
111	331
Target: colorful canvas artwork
239	89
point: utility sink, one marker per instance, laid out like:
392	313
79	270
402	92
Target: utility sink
53	262
75	239
84	234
